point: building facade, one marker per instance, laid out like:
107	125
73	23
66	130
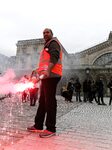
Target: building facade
28	52
97	60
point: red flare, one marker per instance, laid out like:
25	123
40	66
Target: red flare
20	87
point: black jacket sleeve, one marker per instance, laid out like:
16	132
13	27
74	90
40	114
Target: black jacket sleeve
54	51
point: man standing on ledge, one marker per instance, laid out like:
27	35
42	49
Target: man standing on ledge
50	69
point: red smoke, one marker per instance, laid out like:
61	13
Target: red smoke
20	87
9	84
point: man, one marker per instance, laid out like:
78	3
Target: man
110	87
34	91
50	67
70	89
100	91
25	79
85	90
78	90
93	91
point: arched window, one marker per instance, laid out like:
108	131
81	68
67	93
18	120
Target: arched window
105	59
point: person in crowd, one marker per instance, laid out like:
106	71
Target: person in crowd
110	87
85	90
25	79
50	72
64	92
34	91
70	89
100	91
89	90
93	91
78	90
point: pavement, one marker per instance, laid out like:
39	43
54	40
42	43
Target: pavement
80	126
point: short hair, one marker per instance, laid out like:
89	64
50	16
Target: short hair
49	30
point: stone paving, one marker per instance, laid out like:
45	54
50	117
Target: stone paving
80	126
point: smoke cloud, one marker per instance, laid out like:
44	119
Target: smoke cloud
7	82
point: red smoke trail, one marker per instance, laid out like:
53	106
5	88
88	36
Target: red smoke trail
9	84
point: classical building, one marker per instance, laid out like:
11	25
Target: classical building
97	60
98	55
91	63
28	52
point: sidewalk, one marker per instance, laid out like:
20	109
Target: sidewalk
86	127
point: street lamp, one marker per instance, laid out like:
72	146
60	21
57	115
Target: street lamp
87	71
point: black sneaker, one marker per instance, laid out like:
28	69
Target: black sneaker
46	134
99	104
104	104
33	129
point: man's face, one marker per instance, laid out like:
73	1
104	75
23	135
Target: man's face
47	35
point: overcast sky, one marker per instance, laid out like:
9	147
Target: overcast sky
78	24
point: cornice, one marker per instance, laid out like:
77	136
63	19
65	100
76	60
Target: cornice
25	43
30	42
95	48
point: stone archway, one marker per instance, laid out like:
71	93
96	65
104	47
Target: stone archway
104	59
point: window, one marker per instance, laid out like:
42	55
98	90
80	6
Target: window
105	59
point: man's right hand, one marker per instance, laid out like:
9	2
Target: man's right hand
44	74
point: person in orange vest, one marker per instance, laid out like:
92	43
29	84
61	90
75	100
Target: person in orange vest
50	72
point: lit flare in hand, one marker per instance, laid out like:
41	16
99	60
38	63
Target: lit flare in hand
20	87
